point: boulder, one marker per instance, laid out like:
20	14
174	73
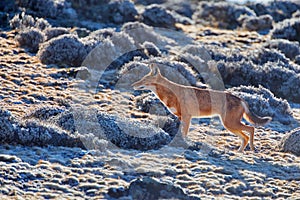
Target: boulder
260	23
289	48
48	8
157	16
267	67
287	29
52	32
23	21
123	133
221	14
150	188
279	10
262	102
34	132
291	142
63	50
30	39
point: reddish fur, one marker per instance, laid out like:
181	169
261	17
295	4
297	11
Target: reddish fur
196	102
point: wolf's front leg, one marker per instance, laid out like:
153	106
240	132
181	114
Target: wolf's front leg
185	124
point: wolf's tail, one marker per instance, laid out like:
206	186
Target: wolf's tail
252	118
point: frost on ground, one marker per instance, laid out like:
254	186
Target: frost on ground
262	102
72	127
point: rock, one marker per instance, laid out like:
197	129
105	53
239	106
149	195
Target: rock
141	33
263	103
157	16
30	39
296	14
182	19
9	158
81	73
260	23
33	133
198	58
122	132
110	55
235	187
266	67
291	142
151	49
4	19
23	21
132	135
121	11
7	6
177	72
287	29
63	50
148	2
221	14
185	8
48	8
65	120
288	48
53	32
44	113
279	10
8	126
96	37
106	11
150	188
297	59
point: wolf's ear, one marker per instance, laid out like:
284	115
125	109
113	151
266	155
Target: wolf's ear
154	69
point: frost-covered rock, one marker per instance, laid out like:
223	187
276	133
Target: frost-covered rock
265	67
148	2
30	39
287	29
184	8
23	21
122	132
291	142
63	50
151	49
221	14
96	37
199	59
262	102
48	8
297	60
33	132
141	33
106	11
43	113
157	16
121	11
279	10
151	188
7	6
8	126
296	14
4	19
111	54
260	23
288	48
53	32
175	71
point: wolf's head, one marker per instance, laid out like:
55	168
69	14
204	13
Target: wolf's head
149	80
